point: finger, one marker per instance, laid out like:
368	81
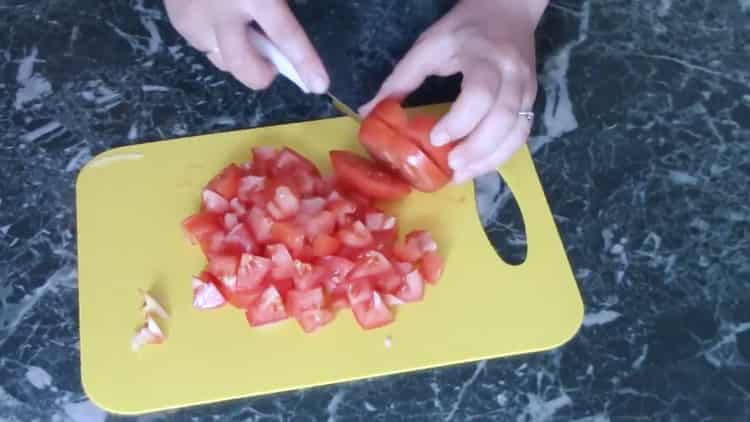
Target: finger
240	58
214	56
493	128
479	88
281	26
518	135
429	56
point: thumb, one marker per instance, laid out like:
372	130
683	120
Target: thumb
428	56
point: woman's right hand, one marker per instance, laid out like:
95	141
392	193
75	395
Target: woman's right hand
219	29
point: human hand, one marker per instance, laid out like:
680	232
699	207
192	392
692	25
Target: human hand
220	30
491	42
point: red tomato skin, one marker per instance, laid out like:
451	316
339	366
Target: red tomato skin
366	177
289	159
264	159
389	110
200	226
431	267
419	131
227	181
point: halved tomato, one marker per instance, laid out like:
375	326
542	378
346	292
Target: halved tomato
419	130
227	181
367	177
267	308
372	313
431	267
400	154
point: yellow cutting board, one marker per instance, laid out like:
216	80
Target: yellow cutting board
130	202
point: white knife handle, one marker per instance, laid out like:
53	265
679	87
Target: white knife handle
268	50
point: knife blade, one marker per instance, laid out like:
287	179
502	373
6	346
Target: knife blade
270	52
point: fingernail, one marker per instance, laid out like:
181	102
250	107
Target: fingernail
461	177
455	162
318	84
439	138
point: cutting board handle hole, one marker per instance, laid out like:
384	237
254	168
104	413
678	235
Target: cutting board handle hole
501	218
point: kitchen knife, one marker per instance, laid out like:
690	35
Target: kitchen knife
268	50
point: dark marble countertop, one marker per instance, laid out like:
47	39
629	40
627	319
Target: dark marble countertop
642	143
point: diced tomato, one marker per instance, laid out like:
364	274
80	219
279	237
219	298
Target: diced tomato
408	252
282	264
224	267
306	253
289	234
283	286
237	207
389	282
431	267
403	268
308	276
338	301
359	291
298	301
324	245
263	160
325	185
250	185
356	236
313	319
200	226
227	181
390	111
312	206
342	209
322	223
372	313
251	271
373	263
284	204
206	295
213	244
395	150
419	131
239	240
423	240
230	220
377	221
213	202
413	288
367	177
267	308
289	159
260	224
338	269
392	300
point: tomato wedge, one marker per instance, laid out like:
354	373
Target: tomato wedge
372	313
227	181
267	308
365	176
201	226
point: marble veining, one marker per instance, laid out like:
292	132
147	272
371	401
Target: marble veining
642	143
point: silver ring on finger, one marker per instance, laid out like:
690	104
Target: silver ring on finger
528	115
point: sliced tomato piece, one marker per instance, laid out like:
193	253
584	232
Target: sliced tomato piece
249	186
285	203
308	276
224	267
372	313
396	151
431	267
282	264
267	308
298	301
260	224
324	245
373	263
239	240
227	181
367	177
290	159
206	295
390	111
338	300
264	159
283	286
359	291
251	272
408	252
313	319
237	207
213	244
289	234
355	236
413	288
201	226
423	240
213	202
339	268
419	131
389	282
